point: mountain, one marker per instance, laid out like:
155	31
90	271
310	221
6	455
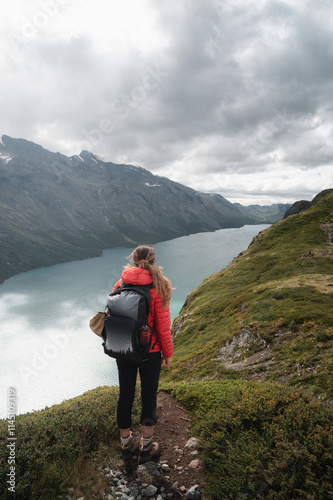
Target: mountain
297	208
56	208
265	214
269	314
301	205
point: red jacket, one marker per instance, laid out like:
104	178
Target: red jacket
159	317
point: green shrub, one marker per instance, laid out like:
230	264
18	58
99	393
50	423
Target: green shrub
51	442
261	440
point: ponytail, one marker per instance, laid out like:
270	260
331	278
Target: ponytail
144	256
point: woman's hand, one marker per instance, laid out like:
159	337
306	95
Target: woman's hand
165	362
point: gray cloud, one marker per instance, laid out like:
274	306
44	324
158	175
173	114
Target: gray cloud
232	96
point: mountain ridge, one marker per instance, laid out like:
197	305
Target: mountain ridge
55	208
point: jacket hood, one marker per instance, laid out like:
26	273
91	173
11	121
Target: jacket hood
136	276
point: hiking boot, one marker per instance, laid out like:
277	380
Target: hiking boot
130	448
150	452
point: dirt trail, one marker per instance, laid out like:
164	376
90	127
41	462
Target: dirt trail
173	432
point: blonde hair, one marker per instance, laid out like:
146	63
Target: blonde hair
144	256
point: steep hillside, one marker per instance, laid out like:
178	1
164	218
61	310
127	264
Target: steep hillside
300	206
269	314
55	209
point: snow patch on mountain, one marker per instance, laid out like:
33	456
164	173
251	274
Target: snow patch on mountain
153	185
5	157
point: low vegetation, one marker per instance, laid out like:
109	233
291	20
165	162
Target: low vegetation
260	440
59	447
256	441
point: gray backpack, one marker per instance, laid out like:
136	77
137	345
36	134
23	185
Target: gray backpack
126	316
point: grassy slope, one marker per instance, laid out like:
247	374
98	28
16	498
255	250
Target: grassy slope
276	291
60	446
258	439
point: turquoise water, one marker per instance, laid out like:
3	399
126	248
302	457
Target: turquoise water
49	354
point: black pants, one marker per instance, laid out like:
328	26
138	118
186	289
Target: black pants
149	374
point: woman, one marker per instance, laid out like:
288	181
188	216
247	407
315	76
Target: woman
145	272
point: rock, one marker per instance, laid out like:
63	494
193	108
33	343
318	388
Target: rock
179	451
192	443
151	490
124	489
175	485
148	473
195	464
194	493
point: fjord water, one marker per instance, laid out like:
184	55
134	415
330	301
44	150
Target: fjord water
48	352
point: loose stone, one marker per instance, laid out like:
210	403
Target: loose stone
192	443
151	490
194	493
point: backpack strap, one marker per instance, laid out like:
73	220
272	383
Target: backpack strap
155	335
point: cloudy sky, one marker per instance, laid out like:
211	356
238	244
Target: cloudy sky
227	96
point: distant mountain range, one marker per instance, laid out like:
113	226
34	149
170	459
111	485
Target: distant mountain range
56	208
